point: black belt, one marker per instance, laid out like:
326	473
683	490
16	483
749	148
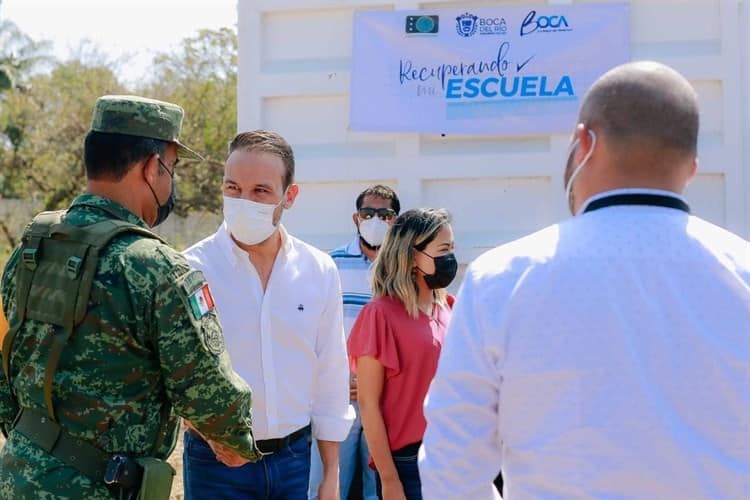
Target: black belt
407	451
268	446
120	473
47	434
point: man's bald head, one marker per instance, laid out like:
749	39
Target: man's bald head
644	104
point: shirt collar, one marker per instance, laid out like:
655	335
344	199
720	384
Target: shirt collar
613	192
236	254
111	207
353	247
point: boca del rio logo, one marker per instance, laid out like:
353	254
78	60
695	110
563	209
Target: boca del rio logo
466	24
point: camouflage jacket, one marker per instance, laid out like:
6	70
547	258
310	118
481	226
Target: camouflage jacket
139	345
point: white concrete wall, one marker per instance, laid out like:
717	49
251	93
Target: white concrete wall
294	65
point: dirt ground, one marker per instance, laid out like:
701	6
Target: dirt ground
175	460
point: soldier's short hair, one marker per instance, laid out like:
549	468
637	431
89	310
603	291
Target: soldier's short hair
268	142
110	156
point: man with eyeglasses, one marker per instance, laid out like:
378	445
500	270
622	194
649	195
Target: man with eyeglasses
377	208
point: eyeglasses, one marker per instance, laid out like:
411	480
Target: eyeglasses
385	214
174	165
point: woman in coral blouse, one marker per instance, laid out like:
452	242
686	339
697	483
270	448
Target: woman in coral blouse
395	344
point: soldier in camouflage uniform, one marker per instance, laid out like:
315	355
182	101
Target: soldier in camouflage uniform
147	346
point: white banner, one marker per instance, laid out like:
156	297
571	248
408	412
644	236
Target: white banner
500	70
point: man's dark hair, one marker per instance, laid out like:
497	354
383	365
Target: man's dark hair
267	142
382	192
111	156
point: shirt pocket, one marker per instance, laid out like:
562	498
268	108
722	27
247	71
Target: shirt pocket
299	317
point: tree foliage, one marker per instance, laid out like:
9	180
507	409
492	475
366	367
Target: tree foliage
202	78
46	126
44	115
20	57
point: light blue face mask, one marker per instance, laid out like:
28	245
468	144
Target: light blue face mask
569	185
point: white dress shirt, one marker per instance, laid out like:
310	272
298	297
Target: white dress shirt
604	357
287	342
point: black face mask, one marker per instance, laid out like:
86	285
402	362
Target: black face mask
446	267
163	211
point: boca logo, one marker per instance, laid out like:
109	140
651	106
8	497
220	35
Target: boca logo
466	24
543	24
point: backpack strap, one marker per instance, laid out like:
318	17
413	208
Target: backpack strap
28	259
54	280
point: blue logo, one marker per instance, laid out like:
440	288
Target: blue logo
543	24
422	24
466	24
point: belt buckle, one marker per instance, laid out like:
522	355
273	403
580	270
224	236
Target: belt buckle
273	446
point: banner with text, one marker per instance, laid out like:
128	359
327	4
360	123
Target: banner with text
502	70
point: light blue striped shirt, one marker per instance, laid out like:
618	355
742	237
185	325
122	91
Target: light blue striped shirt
354	272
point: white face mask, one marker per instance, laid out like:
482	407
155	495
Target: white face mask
373	230
250	222
569	185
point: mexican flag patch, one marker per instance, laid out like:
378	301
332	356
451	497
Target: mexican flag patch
201	301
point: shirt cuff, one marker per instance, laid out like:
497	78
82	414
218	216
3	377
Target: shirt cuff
328	428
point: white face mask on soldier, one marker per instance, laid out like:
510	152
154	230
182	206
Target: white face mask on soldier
250	222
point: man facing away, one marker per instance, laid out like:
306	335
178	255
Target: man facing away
607	356
279	303
376	209
107	344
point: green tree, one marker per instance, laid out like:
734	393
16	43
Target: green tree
48	124
20	57
44	117
202	78
41	150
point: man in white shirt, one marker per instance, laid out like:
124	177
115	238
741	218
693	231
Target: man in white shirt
377	208
607	356
279	304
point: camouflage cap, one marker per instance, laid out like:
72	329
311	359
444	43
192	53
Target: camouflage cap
140	116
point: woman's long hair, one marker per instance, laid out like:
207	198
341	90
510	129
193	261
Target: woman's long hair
394	273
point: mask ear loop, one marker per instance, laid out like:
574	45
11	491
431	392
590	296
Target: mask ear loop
569	187
161	165
415	260
283	197
280	204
